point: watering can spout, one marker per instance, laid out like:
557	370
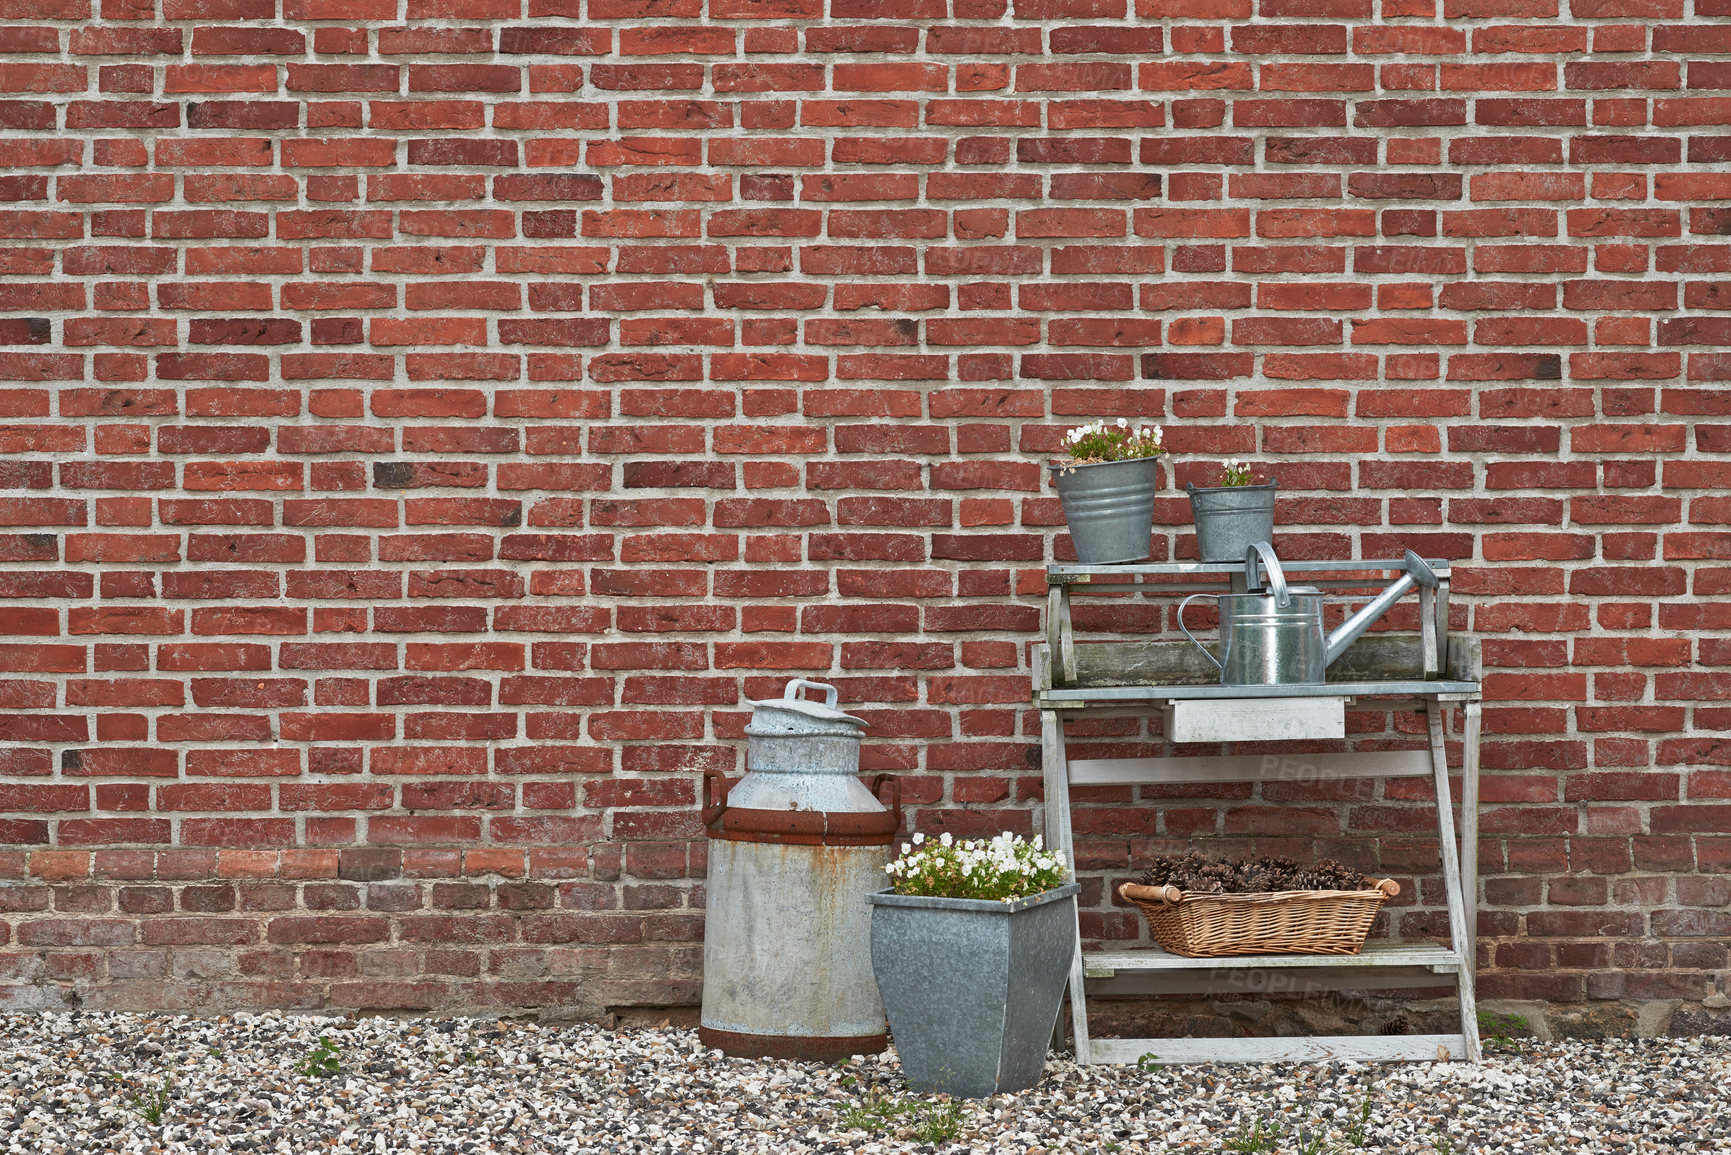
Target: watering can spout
1417	574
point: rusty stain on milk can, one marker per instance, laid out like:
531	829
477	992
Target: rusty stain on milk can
796	845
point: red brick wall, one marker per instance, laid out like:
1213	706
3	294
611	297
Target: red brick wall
427	421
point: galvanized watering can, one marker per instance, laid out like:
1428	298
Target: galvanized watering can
1274	636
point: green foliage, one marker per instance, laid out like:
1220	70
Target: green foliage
1261	1135
940	1120
322	1061
1357	1134
1147	1061
875	1112
1256	1136
1004	868
1503	1024
935	1120
1236	473
1497	1031
1098	441
150	1104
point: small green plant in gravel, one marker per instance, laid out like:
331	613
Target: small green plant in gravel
1263	1135
875	1112
1358	1134
939	1121
1147	1061
150	1103
1497	1031
322	1061
1255	1137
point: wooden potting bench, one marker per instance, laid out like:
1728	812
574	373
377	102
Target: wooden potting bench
1420	672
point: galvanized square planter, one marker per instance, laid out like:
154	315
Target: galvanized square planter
972	986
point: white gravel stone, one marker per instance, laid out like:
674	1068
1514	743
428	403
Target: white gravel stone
73	1083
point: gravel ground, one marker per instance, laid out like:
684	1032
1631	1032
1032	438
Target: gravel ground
266	1083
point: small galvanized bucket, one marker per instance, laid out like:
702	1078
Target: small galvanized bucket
1231	519
1109	506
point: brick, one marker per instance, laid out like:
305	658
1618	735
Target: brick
597	469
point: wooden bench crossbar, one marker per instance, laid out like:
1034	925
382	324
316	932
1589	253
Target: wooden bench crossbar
1248	768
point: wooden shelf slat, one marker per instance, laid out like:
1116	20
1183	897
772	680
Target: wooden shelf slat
1386	954
1310	1049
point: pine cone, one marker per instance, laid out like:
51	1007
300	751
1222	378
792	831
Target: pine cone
1191	871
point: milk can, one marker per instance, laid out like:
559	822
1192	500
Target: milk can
795	846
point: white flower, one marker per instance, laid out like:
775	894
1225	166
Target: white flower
919	838
945	838
1122	424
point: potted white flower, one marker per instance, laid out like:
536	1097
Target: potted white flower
971	947
1233	515
1107	490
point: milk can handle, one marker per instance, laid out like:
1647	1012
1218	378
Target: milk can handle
799	685
714	809
1191	636
894	805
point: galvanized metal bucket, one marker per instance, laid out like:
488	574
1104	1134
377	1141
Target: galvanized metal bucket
795	846
1109	507
972	986
1230	519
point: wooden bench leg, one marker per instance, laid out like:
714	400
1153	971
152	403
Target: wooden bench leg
1451	869
1058	839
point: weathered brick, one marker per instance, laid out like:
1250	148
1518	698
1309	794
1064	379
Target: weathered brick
761	385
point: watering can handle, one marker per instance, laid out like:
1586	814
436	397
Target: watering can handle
1191	636
799	685
1271	566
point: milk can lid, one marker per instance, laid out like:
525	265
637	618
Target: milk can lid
792	714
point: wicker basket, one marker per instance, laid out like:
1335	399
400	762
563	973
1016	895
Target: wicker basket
1197	925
